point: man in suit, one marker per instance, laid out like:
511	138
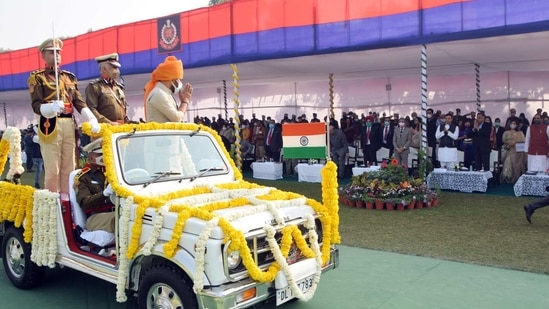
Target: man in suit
273	141
401	142
387	135
432	124
499	137
339	148
371	141
481	142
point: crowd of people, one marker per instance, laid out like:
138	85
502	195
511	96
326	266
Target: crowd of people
521	144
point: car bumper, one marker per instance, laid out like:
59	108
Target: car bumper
228	296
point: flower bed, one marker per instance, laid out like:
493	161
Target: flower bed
389	188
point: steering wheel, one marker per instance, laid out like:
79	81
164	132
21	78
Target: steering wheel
137	174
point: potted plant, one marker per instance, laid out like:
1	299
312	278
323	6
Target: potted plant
390	204
368	201
435	194
412	203
379	203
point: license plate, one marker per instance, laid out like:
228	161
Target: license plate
285	294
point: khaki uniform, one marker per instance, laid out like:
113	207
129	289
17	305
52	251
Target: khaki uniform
106	100
56	135
89	194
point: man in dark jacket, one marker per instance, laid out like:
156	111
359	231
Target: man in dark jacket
273	141
370	139
432	124
481	142
339	148
387	132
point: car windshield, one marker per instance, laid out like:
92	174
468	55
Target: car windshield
150	158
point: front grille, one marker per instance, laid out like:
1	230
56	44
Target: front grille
261	252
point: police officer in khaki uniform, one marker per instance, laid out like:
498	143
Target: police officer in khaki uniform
93	193
54	96
105	96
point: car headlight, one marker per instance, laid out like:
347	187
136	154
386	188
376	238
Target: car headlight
233	260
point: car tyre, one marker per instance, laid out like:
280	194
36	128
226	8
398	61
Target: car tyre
16	257
166	286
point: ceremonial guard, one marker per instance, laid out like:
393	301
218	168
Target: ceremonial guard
105	95
54	96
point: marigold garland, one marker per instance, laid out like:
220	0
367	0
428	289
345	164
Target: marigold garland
4	151
330	198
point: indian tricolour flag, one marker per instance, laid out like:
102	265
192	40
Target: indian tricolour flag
304	140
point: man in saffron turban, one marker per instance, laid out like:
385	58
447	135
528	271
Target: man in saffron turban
160	105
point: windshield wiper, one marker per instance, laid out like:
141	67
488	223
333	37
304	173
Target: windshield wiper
131	133
160	175
194	132
204	171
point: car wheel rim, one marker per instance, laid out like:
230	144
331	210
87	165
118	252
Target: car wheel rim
15	257
162	296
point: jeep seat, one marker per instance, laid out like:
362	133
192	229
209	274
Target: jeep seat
99	238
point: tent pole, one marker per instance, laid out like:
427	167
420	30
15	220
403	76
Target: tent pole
225	100
331	114
424	108
237	144
477	85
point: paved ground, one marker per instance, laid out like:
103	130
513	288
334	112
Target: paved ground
365	279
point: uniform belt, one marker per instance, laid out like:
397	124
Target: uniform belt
65	116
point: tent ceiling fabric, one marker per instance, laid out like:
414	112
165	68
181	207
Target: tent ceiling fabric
514	53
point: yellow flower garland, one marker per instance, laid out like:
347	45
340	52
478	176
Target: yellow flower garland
17	199
328	212
4	151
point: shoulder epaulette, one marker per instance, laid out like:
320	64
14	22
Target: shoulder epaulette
119	84
95	81
80	174
67	72
37	71
70	75
31	81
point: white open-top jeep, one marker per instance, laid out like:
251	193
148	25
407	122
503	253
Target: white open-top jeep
190	232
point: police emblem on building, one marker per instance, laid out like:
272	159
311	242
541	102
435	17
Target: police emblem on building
169	34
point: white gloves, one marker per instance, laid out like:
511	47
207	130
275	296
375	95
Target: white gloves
50	110
89	117
108	191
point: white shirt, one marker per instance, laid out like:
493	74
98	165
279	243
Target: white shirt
161	106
